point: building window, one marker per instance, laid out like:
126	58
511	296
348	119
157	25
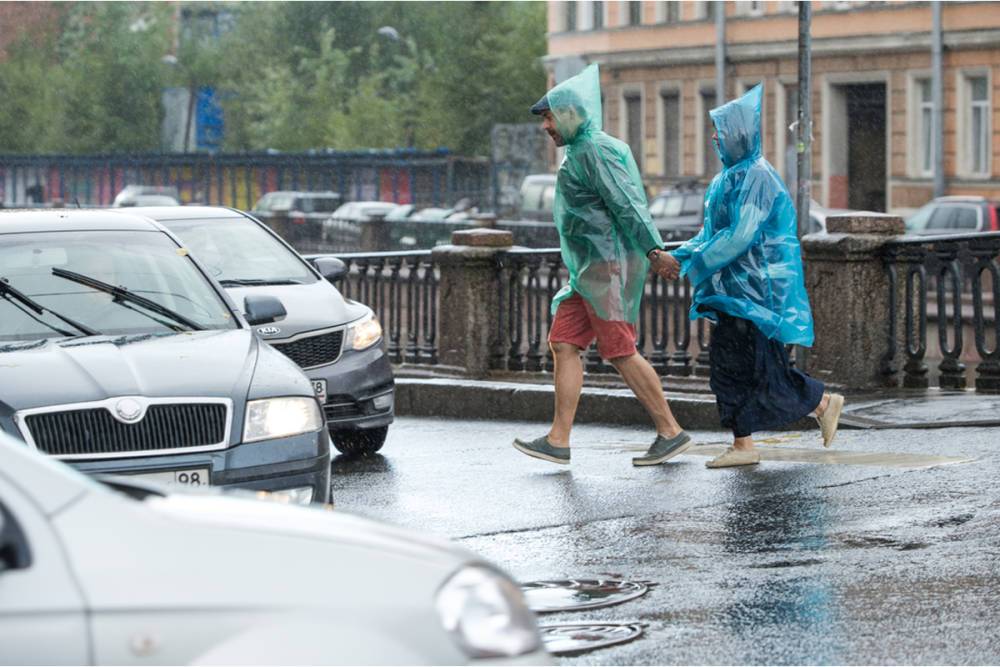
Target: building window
671	101
633	126
710	162
668	12
749	8
978	128
790	135
634	12
570	15
925	130
597	7
706	10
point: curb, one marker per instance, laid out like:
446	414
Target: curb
515	401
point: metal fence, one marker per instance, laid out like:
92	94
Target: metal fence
425	178
949	286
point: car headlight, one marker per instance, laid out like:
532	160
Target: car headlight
364	334
280	417
486	614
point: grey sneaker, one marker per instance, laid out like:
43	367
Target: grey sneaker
541	449
663	449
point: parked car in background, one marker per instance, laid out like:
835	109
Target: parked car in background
955	215
119	572
119	355
538	192
336	341
343	227
147	195
297	215
677	212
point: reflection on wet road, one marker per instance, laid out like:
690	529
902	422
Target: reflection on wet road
881	550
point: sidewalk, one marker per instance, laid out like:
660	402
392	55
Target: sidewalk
694	407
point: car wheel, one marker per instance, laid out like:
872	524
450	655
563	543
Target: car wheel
363	442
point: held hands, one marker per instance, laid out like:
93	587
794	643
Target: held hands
664	265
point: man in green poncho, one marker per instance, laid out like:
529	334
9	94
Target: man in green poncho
608	245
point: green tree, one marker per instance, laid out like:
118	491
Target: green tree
111	55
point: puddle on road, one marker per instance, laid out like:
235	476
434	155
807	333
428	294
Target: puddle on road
837	457
579	594
572	638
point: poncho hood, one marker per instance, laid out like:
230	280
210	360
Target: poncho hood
738	125
576	105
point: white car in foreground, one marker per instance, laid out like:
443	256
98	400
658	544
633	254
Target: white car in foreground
127	573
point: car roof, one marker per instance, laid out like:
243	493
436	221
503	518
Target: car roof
14	221
303	193
163	213
540	178
966	199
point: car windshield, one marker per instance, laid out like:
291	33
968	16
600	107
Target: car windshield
666	207
148	264
692	204
239	249
318	204
918	220
275	201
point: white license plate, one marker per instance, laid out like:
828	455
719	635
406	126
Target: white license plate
319	386
196	477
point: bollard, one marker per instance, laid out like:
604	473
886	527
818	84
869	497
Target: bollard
469	297
849	294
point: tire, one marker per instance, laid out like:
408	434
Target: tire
362	442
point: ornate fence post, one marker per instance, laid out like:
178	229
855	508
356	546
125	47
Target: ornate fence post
853	300
470	298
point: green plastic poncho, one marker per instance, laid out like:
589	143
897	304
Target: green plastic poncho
746	260
600	206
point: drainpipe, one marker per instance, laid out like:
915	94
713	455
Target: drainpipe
937	94
720	53
803	130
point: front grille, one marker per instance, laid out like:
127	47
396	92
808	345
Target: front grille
95	432
342	407
314	350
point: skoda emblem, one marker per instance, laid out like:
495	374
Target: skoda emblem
128	410
268	331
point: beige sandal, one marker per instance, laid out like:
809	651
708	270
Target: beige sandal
735	457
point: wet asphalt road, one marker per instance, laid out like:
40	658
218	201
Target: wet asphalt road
803	560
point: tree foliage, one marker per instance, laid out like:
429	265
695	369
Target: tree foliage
296	75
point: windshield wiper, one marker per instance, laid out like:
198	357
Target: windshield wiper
235	282
123	294
8	290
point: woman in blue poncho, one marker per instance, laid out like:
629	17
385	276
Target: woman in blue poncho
746	270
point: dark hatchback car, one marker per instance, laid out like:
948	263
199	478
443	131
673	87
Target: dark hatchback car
297	215
118	355
336	341
677	213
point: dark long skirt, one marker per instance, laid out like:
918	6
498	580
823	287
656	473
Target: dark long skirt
755	386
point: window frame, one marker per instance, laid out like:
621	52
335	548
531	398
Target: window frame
966	107
663	89
627	92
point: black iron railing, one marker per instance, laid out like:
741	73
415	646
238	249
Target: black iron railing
949	287
402	289
672	343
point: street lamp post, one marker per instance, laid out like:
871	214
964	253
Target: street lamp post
393	35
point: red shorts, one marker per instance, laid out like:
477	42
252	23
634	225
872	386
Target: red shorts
577	323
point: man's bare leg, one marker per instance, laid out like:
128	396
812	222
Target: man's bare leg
568	385
744	444
645	384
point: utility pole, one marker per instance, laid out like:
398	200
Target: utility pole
803	139
937	95
720	53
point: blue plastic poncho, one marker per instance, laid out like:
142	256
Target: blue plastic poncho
746	261
600	206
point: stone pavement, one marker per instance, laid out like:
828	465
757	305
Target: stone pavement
608	403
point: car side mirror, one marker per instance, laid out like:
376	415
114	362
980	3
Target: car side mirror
14	552
331	268
263	309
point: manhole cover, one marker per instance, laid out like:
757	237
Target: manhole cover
576	594
563	638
